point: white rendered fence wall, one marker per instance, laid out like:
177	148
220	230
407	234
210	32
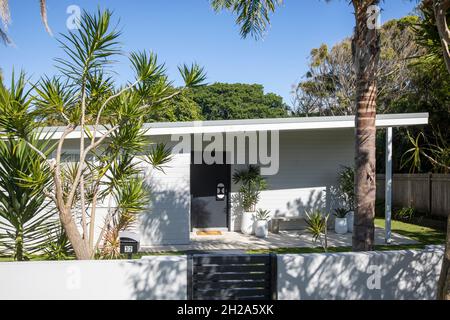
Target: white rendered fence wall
411	274
148	278
408	274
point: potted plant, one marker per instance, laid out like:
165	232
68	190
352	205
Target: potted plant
252	183
347	190
262	223
340	222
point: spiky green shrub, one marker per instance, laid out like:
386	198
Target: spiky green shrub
317	226
26	216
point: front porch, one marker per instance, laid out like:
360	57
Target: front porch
238	242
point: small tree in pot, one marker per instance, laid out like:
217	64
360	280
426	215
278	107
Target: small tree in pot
340	222
262	223
249	192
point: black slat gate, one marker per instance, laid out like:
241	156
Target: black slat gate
232	277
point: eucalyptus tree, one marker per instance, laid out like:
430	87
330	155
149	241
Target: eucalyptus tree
254	17
109	123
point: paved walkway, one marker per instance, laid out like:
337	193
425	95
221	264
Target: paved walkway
239	242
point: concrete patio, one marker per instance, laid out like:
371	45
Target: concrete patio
285	239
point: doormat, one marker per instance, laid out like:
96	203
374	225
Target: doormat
209	233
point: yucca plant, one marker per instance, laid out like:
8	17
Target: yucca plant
132	197
262	214
317	226
438	153
26	215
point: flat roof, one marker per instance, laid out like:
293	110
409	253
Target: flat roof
279	124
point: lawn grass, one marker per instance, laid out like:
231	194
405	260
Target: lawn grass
32	258
6	259
424	235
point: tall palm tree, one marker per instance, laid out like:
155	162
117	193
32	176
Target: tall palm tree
5	18
253	16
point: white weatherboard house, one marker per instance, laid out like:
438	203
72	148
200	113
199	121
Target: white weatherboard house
306	155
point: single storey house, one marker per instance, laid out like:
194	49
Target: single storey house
299	157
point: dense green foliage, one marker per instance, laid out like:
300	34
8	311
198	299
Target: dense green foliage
429	92
27	220
180	108
223	101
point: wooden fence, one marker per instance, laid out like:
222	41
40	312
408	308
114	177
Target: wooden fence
425	192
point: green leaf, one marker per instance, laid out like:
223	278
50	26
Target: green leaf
159	156
193	75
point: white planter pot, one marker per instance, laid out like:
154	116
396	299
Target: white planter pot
248	222
340	225
350	219
261	228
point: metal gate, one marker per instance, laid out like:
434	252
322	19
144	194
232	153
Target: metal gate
232	277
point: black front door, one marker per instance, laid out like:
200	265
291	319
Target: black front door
210	185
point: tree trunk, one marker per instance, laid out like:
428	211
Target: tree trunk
366	52
440	11
80	247
19	244
444	279
92	223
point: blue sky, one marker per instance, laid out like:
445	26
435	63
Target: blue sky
189	30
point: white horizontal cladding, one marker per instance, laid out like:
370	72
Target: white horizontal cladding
309	162
251	125
150	278
166	221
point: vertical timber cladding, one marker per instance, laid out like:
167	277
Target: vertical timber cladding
232	277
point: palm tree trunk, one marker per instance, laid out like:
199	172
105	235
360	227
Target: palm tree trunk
440	8
444	279
366	52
